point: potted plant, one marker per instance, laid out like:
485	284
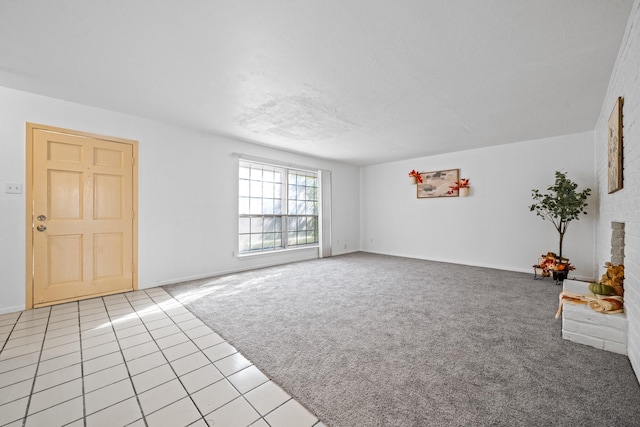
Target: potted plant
560	205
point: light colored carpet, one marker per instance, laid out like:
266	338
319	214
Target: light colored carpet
372	340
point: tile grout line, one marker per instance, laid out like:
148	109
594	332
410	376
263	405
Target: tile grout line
199	350
168	362
84	403
2	349
144	418
261	417
4	344
35	375
65	382
153	301
291	397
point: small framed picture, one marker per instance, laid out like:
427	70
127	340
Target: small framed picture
615	147
438	183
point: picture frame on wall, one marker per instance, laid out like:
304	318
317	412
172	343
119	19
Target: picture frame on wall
438	183
614	147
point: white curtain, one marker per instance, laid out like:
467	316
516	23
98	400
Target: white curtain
325	213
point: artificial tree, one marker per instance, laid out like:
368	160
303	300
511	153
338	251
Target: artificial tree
560	205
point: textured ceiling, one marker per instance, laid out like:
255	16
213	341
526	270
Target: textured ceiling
360	81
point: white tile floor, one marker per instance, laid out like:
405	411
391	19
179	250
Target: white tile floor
134	359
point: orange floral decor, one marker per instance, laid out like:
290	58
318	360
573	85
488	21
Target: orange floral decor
550	263
415	174
462	183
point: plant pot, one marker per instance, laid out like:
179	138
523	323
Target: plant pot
463	192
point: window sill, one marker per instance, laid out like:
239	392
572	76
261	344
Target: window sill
276	251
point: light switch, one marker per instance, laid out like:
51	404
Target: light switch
12	188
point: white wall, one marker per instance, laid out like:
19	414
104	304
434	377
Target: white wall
493	227
624	205
187	194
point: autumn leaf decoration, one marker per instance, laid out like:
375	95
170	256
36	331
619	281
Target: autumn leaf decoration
551	262
462	183
416	175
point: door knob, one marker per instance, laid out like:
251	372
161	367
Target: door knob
41	217
41	228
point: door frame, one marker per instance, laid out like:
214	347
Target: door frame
29	213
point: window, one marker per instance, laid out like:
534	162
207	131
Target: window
278	207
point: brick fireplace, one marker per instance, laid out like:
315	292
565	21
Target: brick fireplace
617	243
582	325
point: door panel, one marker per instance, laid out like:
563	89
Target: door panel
83	202
106	157
65	200
107	196
65	258
71	153
108	255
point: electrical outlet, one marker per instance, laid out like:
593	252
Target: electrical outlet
12	188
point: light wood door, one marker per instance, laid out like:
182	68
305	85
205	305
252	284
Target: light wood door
82	217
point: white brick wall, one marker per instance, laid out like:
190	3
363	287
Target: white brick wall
582	325
624	205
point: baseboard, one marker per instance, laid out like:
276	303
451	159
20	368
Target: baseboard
492	266
13	309
220	273
351	251
254	267
189	278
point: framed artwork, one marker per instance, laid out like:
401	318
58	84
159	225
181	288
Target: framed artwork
436	184
615	147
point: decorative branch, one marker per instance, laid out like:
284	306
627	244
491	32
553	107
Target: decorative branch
416	175
462	183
